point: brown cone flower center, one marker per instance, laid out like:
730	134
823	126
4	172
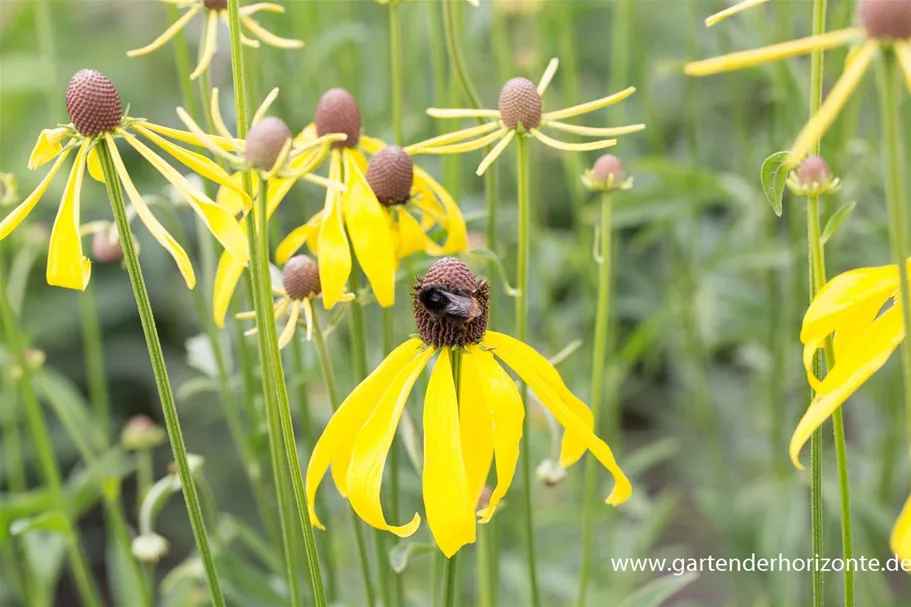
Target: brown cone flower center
300	277
607	170
450	305
265	142
813	170
93	103
216	5
338	112
390	175
520	103
886	18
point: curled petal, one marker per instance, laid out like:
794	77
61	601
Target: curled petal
268	37
18	215
166	36
298	238
67	267
209	45
47	147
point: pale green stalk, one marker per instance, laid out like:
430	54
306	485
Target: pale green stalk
94	360
166	395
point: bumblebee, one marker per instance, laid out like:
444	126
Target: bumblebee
446	306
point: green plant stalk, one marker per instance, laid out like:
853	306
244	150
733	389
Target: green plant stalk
325	362
599	361
48	466
455	52
522	334
144	475
395	66
169	408
94	360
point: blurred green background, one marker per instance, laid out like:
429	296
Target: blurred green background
705	372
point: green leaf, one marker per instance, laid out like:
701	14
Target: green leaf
248	585
774	177
658	590
403	551
836	220
49	521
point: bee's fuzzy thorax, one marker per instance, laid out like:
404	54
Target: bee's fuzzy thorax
451	276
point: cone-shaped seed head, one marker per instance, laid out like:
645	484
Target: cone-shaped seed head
390	175
300	277
265	142
216	5
450	305
520	103
93	103
606	167
886	18
337	112
813	170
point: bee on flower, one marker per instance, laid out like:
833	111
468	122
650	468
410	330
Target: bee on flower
214	11
97	121
520	112
885	28
387	212
463	435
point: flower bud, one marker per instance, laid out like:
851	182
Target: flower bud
266	141
520	103
149	548
93	103
141	433
812	178
607	175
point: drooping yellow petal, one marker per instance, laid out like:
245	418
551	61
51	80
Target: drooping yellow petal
871	351
49	144
731	11
166	36
18	215
544	380
508	413
230	198
370	233
411	238
476	427
288	332
775	52
448	499
900	540
227	275
67	267
94	164
299	237
821	121
371	446
335	444
903	52
448	138
495	153
223	225
148	219
573	147
457	232
268	37
199	164
861	318
209	45
591	106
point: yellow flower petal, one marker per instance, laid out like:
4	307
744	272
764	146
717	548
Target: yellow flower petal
209	45
371	446
411	238
861	318
593	131
495	153
167	34
268	37
462	113
461	148
288	332
217	121
335	444
48	145
903	52
18	215
821	121
591	106
230	198
871	352
265	105
573	147
548	75
370	233
457	237
67	267
94	164
571	413
508	413
447	495
148	219
299	237
223	225
900	540
731	11
457	136
185	137
775	52
475	426
227	275
267	7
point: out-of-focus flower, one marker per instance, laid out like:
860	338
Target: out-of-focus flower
813	178
141	433
607	175
8	190
215	10
149	548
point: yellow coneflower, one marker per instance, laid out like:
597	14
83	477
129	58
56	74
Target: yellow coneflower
861	309
373	212
461	440
520	110
886	28
98	120
300	286
216	10
276	156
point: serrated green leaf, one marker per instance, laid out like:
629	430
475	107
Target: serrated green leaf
836	220
403	551
658	590
774	176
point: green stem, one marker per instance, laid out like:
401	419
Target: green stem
395	61
599	360
455	52
144	474
522	335
166	395
94	360
322	352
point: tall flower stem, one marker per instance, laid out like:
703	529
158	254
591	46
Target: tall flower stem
94	360
524	237
165	393
890	88
276	390
599	359
325	362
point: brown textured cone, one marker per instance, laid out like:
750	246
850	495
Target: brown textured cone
93	103
605	167
338	112
390	175
887	18
216	5
450	274
300	277
520	103
265	142
813	170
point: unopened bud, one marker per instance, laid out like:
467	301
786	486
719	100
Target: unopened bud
141	433
149	548
812	178
551	473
